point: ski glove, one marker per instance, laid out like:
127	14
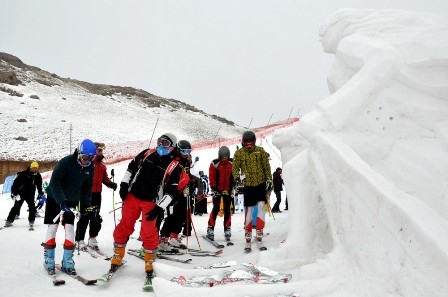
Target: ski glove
268	185
159	208
123	190
65	207
112	185
16	197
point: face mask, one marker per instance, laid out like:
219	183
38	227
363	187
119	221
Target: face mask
163	151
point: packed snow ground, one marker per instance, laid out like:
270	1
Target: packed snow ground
365	173
25	263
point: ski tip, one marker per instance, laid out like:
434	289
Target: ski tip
59	282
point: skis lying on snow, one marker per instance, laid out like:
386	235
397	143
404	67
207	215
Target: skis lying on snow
56	281
108	276
137	254
96	253
78	277
218	265
215	243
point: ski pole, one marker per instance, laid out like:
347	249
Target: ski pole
113	210
112	173
57	217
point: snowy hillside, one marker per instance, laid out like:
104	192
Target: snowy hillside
44	116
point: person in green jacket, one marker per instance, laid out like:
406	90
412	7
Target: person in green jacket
252	162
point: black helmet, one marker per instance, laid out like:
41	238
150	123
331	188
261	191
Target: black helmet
184	144
184	147
224	152
248	136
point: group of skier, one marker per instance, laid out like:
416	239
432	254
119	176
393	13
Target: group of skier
156	186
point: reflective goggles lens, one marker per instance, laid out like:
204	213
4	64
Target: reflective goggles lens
163	142
86	158
185	151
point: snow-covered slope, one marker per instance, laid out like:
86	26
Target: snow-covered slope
54	114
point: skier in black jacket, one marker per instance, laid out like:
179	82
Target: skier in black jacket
278	188
23	189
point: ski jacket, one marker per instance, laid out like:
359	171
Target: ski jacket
253	164
100	176
70	181
220	175
277	180
146	173
26	183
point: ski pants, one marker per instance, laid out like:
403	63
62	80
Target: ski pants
18	204
133	208
227	200
89	217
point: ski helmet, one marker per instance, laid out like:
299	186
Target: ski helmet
166	144
223	152
34	164
184	147
86	152
248	138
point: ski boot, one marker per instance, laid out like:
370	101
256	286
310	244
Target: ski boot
82	245
93	243
150	256
115	262
210	233
49	258
176	242
68	265
227	233
248	236
8	223
164	245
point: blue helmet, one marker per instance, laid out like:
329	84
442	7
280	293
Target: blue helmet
86	152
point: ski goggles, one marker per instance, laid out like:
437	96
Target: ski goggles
185	151
86	158
163	142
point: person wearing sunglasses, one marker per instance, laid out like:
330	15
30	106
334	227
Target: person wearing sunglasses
90	214
70	185
148	173
252	161
177	215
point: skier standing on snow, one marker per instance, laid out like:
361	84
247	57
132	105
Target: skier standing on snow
221	183
139	189
253	162
172	226
278	188
70	184
200	206
23	189
91	213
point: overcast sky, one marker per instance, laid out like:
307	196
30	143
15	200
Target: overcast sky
244	60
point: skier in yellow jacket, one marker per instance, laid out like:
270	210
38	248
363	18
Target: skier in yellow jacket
253	162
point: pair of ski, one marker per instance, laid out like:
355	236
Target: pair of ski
136	253
96	253
216	243
57	281
147	286
31	227
260	246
